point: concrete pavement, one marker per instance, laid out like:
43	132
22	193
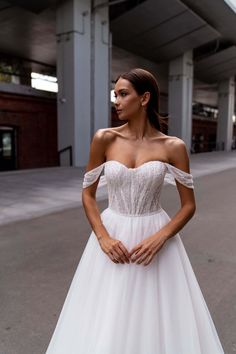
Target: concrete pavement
38	257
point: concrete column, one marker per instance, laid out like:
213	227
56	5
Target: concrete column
73	72
100	67
83	75
226	112
180	97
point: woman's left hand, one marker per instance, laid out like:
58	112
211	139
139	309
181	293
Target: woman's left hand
144	251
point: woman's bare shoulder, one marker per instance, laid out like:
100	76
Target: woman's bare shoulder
100	142
173	147
170	142
173	142
177	152
107	135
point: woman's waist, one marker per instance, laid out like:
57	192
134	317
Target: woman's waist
129	212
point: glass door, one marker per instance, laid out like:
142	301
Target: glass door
7	149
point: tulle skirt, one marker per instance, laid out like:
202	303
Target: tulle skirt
134	309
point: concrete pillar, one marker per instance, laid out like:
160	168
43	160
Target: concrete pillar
100	67
226	112
180	97
82	71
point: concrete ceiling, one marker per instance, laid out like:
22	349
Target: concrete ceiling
28	34
161	30
218	14
33	6
158	30
218	66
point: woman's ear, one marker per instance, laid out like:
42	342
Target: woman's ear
145	98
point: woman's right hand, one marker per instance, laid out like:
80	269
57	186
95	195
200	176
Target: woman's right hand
115	249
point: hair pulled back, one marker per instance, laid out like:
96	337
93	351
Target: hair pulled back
143	81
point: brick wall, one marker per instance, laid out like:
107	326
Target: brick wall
35	120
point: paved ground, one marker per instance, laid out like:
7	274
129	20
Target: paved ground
38	258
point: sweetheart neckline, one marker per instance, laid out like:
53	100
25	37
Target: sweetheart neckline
168	166
172	170
136	168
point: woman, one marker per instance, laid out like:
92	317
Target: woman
134	291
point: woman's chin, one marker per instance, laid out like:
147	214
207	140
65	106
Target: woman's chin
122	116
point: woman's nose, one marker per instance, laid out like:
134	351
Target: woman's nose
116	102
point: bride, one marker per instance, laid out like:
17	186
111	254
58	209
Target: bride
134	291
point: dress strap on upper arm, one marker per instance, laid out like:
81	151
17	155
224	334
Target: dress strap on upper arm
181	176
91	176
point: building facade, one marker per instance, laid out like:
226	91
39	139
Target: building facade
190	47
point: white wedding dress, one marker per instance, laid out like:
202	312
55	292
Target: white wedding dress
129	308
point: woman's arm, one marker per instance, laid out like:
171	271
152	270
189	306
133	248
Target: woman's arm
146	250
113	248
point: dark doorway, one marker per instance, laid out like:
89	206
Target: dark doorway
7	148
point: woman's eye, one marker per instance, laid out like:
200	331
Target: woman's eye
123	94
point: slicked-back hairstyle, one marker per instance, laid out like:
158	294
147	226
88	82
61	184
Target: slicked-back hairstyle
143	81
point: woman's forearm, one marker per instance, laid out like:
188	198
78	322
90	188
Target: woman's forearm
113	248
178	221
93	215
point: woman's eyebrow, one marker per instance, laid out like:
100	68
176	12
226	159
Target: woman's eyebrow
122	89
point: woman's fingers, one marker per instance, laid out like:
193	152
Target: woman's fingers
111	247
135	249
119	252
124	252
145	251
116	255
144	257
123	258
113	258
139	252
148	260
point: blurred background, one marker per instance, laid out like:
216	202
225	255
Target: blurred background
59	61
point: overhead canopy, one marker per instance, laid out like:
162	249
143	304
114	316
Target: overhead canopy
34	6
28	35
217	67
161	30
158	30
217	13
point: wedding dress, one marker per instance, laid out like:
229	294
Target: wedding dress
131	308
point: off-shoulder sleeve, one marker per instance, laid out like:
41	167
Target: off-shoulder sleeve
91	176
174	173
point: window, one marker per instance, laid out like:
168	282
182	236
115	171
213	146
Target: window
44	82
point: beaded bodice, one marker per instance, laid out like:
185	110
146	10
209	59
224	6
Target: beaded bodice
136	191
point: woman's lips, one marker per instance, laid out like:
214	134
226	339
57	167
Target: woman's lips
118	111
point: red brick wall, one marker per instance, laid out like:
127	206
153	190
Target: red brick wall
35	120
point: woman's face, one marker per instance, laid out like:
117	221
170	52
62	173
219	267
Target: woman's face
127	101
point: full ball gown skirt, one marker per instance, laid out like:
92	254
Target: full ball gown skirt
129	308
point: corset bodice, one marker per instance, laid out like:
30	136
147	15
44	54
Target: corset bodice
136	191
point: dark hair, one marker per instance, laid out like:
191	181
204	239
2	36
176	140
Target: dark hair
143	81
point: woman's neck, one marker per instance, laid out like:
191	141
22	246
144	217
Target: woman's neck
140	128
